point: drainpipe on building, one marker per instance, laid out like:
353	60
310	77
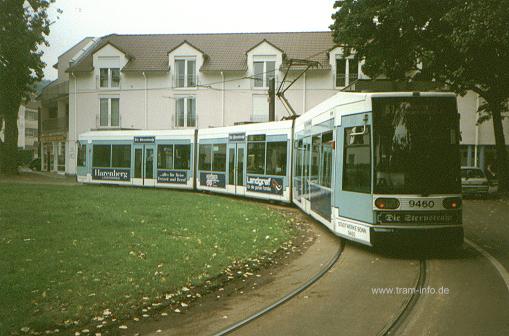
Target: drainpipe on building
146	110
222	99
75	150
476	135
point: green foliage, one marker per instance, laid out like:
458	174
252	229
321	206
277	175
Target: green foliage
24	26
71	252
463	44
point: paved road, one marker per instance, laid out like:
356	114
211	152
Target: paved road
342	303
476	301
487	224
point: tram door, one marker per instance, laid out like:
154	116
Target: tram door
144	165
306	171
236	168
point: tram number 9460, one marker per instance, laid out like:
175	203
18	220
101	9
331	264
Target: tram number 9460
421	204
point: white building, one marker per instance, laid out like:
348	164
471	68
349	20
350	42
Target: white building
28	129
198	81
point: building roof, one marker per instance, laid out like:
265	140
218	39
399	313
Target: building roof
226	52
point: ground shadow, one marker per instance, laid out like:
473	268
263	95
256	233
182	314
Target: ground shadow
418	249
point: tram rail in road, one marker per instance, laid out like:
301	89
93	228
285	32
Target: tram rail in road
389	329
286	297
406	308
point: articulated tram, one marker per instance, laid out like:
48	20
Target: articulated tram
369	166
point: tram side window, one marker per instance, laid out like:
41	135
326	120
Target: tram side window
326	158
357	160
165	157
82	155
298	158
219	157
121	156
316	144
276	158
205	157
182	157
102	156
256	157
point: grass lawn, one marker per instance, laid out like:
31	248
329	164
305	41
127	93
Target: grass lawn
68	253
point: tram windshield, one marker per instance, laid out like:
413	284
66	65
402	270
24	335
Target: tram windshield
416	143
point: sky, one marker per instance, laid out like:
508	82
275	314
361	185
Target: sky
82	18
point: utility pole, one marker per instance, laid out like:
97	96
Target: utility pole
272	99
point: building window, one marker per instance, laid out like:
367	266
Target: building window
185	112
185	72
109	114
347	71
357	160
109	77
31	115
260	108
30	132
264	72
53	112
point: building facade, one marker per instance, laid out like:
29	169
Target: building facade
202	80
28	129
54	111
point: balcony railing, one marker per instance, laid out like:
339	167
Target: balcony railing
55	124
185	81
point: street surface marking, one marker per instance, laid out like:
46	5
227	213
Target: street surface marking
500	268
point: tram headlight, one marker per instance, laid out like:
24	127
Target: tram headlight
387	203
452	203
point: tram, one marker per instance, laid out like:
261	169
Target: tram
370	166
247	160
139	158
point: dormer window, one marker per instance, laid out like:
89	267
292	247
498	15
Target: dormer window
264	72
347	71
109	77
185	72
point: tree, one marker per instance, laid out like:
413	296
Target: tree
463	44
24	26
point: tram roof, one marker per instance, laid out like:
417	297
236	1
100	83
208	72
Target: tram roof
356	102
130	134
274	127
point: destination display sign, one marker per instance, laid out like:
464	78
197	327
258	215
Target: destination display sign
213	180
236	137
171	176
111	174
264	184
144	139
418	217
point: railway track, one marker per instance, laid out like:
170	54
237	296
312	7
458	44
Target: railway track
406	308
286	297
389	329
